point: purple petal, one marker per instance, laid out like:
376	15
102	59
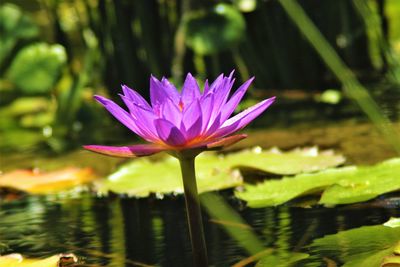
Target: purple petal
221	94
135	97
231	105
190	90
168	133
206	107
191	114
192	120
226	141
206	87
212	87
144	119
159	93
171	112
243	118
194	130
214	126
171	90
126	151
120	114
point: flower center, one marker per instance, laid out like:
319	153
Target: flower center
180	105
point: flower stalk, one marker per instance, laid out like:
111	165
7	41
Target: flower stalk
193	209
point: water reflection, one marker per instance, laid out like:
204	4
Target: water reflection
130	232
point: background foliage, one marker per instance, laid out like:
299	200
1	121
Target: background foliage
54	55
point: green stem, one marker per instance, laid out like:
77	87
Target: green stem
193	210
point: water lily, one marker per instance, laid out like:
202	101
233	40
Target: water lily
183	124
177	121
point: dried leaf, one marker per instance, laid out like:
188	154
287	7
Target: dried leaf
37	182
17	260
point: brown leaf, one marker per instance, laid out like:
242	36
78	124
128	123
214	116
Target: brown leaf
37	182
17	260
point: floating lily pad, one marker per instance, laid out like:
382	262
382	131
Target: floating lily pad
341	185
142	176
17	260
285	163
36	182
364	183
393	222
368	246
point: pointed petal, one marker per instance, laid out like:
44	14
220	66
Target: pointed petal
190	90
171	90
158	94
171	112
194	130
206	108
191	114
126	151
214	126
206	87
134	96
144	119
233	102
243	118
221	95
120	114
168	133
226	141
214	84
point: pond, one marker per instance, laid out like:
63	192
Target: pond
117	230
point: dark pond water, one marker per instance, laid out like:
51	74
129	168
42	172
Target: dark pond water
121	232
117	231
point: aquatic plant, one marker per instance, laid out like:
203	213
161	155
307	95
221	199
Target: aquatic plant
183	124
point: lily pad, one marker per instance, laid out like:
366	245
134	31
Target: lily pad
364	183
368	246
285	163
17	260
342	185
142	176
36	182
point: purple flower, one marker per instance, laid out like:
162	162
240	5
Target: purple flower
179	121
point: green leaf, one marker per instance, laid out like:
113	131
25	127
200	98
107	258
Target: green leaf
366	246
364	183
208	32
393	222
20	139
341	185
25	105
14	25
285	163
142	176
37	67
276	260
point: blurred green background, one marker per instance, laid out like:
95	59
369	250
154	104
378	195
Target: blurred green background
321	58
